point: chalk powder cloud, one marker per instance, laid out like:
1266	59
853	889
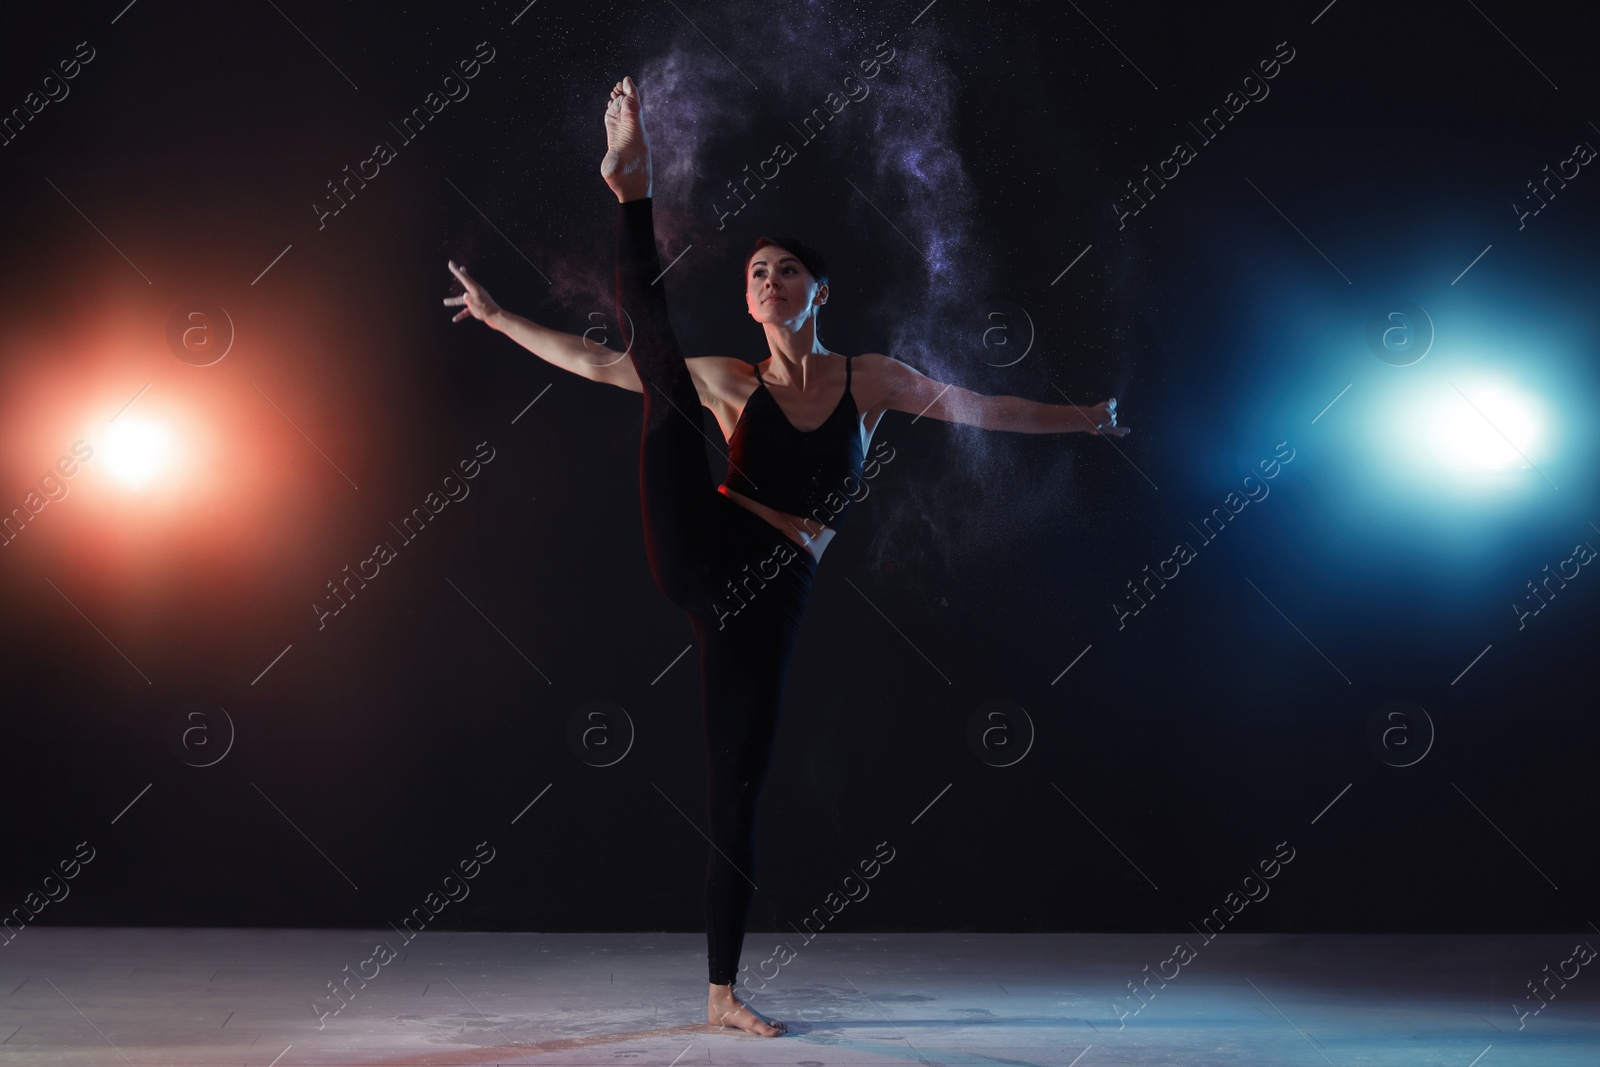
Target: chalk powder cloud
895	142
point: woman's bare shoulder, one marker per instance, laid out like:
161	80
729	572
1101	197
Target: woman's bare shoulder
721	378
869	380
720	368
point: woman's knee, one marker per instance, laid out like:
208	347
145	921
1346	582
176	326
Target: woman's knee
679	584
733	814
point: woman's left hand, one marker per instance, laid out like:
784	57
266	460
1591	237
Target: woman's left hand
1102	419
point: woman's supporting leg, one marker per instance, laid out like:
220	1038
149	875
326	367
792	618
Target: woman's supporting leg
744	660
740	704
689	550
677	493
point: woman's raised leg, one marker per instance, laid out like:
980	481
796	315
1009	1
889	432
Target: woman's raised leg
677	491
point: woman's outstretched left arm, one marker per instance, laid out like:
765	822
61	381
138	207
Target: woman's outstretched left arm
899	387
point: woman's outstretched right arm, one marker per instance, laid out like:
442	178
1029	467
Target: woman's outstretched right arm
580	355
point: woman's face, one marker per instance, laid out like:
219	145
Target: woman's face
779	288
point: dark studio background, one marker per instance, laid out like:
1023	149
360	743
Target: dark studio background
1176	753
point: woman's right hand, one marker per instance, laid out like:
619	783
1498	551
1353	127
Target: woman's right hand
479	304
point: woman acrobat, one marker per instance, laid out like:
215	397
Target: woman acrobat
703	540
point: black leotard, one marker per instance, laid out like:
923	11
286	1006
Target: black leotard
815	474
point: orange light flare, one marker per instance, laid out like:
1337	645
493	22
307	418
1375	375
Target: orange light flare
150	458
110	447
100	465
137	450
166	498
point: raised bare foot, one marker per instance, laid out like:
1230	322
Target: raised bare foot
626	166
726	1010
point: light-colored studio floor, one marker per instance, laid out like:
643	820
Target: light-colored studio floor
245	997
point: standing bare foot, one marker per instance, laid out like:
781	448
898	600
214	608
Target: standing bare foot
726	1010
626	166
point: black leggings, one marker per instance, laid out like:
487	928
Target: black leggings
743	584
